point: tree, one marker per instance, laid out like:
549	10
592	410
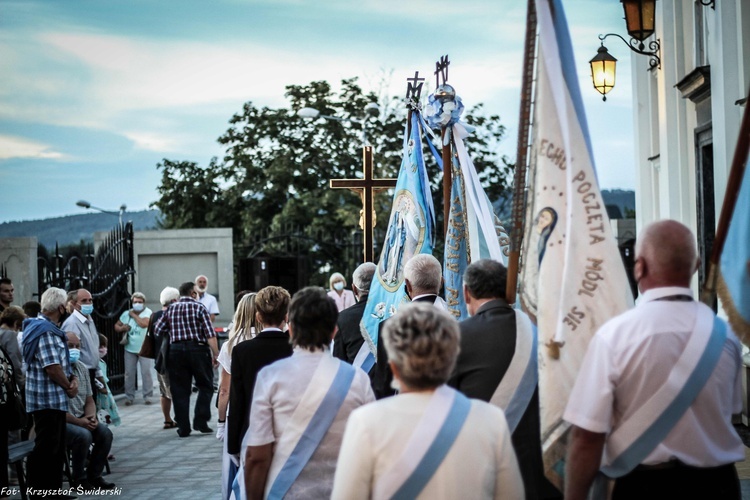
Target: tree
274	176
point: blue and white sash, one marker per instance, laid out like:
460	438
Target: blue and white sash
433	437
364	358
634	439
515	390
309	424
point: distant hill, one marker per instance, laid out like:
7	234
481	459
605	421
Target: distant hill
618	202
72	229
624	200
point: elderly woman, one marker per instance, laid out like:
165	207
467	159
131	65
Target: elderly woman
343	298
429	441
132	325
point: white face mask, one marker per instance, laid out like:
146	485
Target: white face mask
338	286
201	290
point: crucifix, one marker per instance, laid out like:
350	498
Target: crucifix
366	188
445	92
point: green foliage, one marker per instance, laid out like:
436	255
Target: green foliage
276	169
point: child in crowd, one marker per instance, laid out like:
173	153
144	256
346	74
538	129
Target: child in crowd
106	407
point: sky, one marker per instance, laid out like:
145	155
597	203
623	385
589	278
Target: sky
94	93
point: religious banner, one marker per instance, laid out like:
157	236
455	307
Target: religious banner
410	232
734	284
474	231
572	276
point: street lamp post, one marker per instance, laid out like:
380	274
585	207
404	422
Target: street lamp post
87	205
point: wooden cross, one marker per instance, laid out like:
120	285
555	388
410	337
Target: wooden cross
366	188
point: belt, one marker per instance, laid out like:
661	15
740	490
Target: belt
199	342
672	464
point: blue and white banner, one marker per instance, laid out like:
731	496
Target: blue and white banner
572	279
410	232
474	232
734	290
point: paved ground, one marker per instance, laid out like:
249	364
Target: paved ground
154	463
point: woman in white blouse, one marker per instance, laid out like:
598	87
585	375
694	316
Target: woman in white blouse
243	327
465	443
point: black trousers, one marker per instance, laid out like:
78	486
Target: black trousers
45	464
679	481
187	361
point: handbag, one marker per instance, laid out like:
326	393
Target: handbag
161	358
10	398
147	348
124	339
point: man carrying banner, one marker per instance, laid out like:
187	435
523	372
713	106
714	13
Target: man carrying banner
423	277
497	363
300	407
658	387
349	339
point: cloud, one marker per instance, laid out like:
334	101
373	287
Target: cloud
154	142
17	147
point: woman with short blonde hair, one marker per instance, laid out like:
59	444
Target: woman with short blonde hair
429	441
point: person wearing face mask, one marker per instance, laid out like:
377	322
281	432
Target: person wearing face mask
83	429
343	298
134	323
82	324
50	383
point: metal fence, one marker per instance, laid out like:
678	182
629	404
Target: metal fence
109	276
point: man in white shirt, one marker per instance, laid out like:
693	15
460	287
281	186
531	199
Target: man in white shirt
205	298
300	408
82	324
658	439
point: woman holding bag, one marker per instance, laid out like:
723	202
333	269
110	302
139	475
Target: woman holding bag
132	325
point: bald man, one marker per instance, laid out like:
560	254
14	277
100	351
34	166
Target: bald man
659	440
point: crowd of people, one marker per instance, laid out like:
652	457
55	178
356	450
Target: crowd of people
300	419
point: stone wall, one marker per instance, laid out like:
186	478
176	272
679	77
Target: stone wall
172	257
18	256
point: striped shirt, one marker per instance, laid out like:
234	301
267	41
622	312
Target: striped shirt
41	392
185	320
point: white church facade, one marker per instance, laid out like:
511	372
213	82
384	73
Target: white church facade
688	110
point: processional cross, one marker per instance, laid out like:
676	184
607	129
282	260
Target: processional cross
366	188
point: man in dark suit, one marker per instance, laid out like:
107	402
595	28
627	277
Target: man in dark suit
488	343
271	344
423	277
349	338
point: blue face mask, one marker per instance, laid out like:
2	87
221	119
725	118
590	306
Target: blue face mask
87	309
75	355
138	307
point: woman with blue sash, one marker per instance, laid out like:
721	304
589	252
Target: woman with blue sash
429	441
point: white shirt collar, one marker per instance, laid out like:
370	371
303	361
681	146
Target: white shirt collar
79	316
660	293
424	295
